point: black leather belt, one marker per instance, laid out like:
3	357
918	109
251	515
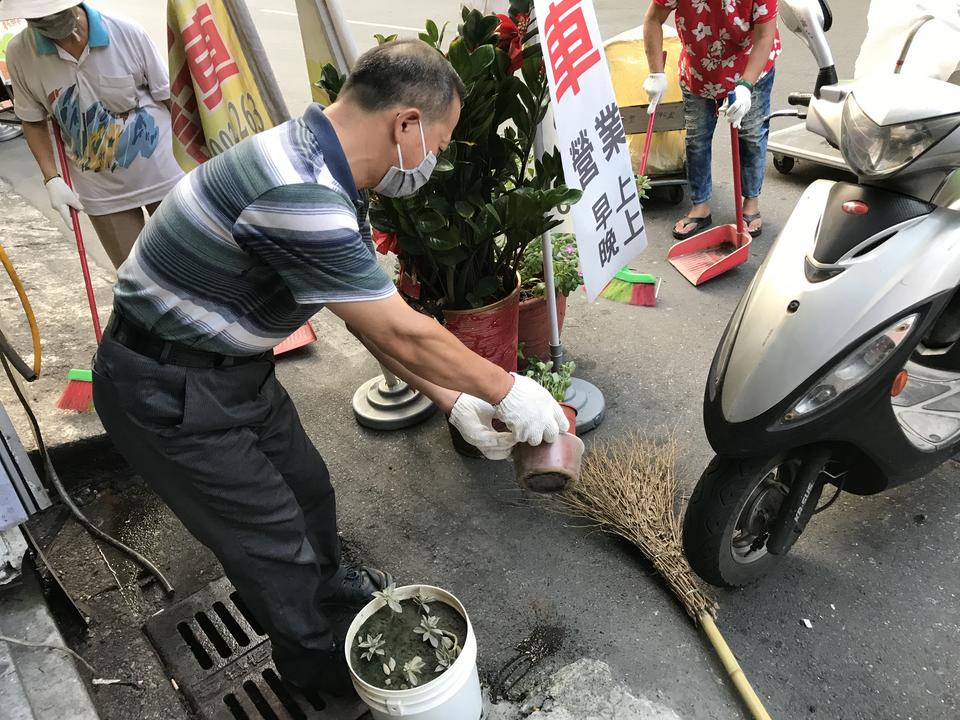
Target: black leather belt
145	343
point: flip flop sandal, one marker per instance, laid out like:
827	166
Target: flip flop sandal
699	224
747	219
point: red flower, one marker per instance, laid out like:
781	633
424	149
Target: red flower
385	242
523	23
511	41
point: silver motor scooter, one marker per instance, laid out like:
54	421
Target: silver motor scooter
841	363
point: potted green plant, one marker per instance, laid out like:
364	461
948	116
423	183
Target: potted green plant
461	240
556	381
534	326
412	652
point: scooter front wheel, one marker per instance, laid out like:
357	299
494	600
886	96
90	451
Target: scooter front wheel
730	515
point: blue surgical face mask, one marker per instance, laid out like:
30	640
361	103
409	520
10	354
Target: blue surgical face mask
399	182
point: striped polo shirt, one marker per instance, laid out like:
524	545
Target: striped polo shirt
251	244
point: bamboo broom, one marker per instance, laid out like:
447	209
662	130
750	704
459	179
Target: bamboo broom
629	488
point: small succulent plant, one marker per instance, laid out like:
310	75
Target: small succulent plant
423	602
412	670
429	630
445	657
390	596
388	667
372	646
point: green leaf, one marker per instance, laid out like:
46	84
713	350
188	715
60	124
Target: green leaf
438	203
444	239
534	76
464	209
562	195
383	39
469	65
484	288
331	81
432	30
452	258
431	222
488	27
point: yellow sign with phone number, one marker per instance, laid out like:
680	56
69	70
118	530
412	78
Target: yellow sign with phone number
218	97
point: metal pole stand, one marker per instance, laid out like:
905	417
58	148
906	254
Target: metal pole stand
387	403
589	402
584	396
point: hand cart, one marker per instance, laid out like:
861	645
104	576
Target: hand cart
628	69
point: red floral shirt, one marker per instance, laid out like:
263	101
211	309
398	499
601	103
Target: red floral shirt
717	37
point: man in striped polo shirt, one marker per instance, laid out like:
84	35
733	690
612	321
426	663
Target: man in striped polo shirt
242	252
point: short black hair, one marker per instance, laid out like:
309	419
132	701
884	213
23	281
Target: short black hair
404	72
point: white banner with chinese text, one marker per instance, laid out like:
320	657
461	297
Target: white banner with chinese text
608	220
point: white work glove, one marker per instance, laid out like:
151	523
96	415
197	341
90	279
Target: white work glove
473	417
531	412
740	106
62	198
655	86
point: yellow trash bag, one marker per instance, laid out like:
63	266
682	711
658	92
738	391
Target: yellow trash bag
628	70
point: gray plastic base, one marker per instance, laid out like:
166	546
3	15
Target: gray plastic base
379	406
9	132
589	402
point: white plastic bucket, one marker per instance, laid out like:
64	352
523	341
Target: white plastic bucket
454	695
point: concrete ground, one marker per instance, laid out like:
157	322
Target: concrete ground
876	577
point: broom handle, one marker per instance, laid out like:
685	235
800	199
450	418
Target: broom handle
651	114
75	216
732	667
737	189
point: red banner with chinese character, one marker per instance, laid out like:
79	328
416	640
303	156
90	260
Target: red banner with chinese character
221	86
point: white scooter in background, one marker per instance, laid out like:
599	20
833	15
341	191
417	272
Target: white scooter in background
841	363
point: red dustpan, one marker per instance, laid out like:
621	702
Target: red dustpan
718	249
301	337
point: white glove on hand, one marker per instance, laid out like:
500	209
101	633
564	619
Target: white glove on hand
531	412
474	419
740	106
655	85
62	198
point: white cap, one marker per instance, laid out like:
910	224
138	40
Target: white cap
14	9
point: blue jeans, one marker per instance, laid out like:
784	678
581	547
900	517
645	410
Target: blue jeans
701	120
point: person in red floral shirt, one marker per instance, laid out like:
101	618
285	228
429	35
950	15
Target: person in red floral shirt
729	46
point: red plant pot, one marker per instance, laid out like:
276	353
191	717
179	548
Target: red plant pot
534	329
490	331
571	412
548	467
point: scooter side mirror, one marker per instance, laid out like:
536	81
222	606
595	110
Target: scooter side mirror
807	19
827	16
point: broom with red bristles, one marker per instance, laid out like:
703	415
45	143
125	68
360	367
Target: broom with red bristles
78	394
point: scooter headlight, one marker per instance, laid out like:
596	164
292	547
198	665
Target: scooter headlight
854	369
873	150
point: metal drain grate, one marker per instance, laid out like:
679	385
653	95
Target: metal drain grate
220	658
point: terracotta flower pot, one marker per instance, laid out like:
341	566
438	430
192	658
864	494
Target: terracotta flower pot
534	330
490	331
548	467
571	412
